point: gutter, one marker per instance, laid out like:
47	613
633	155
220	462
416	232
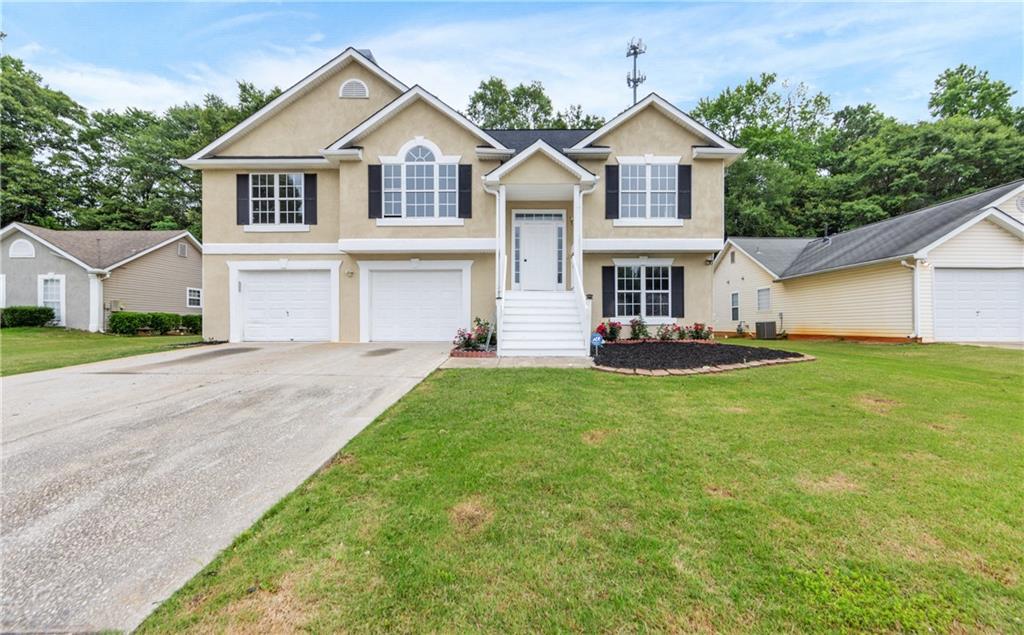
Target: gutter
851	266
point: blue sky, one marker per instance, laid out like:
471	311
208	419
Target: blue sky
156	55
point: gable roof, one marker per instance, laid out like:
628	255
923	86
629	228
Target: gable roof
902	236
362	57
773	254
663	105
411	96
102	249
522	139
542	147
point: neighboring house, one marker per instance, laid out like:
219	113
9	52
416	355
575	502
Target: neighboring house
85	275
355	208
953	272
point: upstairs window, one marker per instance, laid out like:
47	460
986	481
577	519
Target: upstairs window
276	199
648	190
734	306
764	299
422	185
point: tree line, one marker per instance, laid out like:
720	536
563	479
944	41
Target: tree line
807	166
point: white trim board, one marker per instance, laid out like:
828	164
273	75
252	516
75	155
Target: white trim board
416	245
675	245
63	293
1005	197
262	163
270	249
366	267
234	295
49	245
584	175
297	90
998	217
729	243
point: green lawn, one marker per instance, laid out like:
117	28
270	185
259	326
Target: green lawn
23	350
879	488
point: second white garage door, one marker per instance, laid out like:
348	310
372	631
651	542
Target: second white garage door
415	306
286	306
979	305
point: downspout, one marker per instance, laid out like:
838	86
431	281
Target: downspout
916	335
499	244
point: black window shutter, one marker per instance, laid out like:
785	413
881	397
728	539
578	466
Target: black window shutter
611	191
676	291
608	291
242	196
465	191
684	202
309	199
376	188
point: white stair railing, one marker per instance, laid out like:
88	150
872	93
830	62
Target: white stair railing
582	303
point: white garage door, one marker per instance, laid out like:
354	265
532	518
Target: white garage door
286	306
979	305
415	306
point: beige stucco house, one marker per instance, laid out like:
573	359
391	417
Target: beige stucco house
953	272
355	208
86	275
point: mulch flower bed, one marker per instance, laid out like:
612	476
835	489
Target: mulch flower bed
687	358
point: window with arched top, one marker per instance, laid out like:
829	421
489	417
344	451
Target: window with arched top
421	183
21	248
354	89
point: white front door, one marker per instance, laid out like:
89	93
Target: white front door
979	305
286	306
539	256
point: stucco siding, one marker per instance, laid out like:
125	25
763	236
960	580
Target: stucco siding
745	277
155	282
872	301
21	279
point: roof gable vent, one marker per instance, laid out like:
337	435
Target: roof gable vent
354	89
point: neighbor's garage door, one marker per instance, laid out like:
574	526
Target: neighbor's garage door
979	305
415	306
286	306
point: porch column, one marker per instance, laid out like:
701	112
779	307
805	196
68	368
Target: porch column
577	232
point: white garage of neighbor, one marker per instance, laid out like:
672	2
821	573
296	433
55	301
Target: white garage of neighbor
413	300
284	301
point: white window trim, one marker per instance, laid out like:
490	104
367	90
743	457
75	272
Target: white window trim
420	221
734	295
182	250
644	262
757	299
21	243
440	159
3	290
518	221
648	220
277	203
366	267
63	294
189	290
366	89
267	228
235	317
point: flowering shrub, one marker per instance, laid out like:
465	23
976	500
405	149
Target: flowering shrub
609	330
638	329
698	332
669	332
474	339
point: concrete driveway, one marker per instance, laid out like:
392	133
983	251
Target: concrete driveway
122	479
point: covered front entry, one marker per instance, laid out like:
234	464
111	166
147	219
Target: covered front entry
538	250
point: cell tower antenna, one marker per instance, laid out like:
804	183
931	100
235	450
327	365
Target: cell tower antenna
635	49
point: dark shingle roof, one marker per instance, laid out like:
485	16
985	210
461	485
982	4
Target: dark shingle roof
519	140
775	254
101	248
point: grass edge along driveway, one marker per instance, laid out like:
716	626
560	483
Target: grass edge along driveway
875	489
27	349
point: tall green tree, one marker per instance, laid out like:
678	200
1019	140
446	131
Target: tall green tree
494	105
969	92
38	129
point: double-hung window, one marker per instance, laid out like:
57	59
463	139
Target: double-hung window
276	199
648	190
642	291
420	186
734	305
51	294
764	299
194	298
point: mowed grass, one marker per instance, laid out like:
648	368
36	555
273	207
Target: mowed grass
880	488
25	349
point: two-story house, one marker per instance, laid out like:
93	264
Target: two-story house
354	208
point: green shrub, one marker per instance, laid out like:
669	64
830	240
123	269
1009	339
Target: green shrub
164	322
194	323
26	316
127	322
638	329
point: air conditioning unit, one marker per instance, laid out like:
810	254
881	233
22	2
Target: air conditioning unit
765	330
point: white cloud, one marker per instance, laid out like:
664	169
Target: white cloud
315	37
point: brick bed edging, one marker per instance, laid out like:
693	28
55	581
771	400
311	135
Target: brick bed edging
457	353
703	370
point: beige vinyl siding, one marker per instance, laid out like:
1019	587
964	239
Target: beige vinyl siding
155	282
1010	207
746	277
870	301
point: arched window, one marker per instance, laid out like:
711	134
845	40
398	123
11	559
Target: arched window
354	89
21	248
421	183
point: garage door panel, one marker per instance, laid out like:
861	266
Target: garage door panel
415	305
978	305
286	306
